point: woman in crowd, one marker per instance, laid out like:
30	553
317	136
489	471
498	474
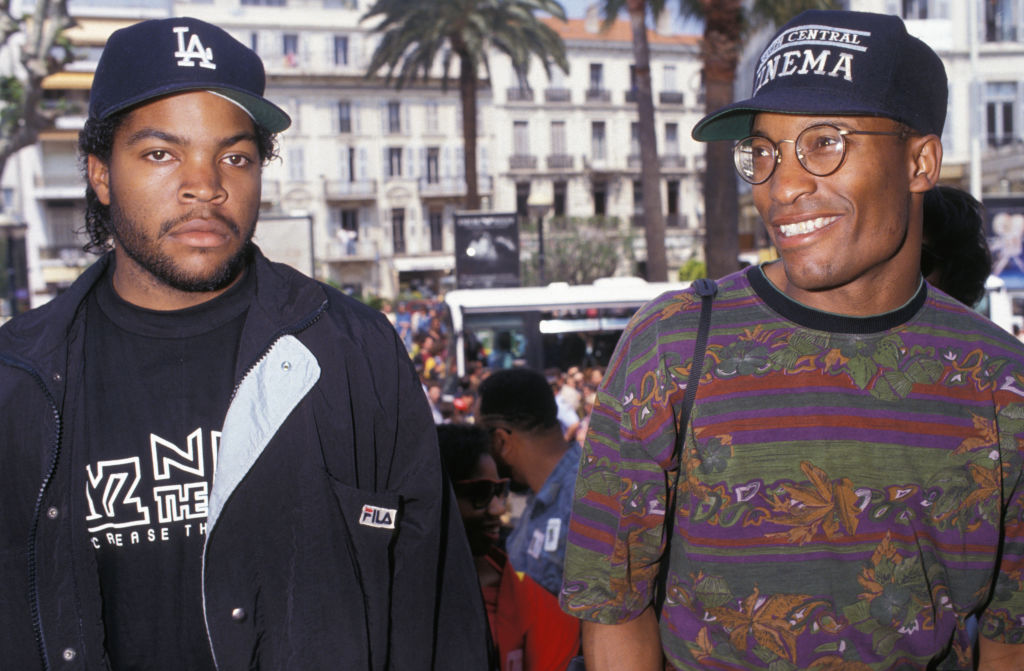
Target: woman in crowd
529	629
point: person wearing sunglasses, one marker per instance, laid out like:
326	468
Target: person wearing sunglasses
848	491
529	630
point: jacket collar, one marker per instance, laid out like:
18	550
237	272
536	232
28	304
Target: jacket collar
285	300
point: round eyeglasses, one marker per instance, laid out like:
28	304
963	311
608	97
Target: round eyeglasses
821	150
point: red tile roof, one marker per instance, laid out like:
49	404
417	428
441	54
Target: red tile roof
620	31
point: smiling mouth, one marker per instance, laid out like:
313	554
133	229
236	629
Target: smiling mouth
806	226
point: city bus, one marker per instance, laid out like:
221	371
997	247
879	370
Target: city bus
554	326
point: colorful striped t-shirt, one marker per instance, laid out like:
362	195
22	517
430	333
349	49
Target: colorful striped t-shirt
844	484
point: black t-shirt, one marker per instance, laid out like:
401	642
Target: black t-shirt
157	387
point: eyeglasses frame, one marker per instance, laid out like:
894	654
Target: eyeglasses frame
903	133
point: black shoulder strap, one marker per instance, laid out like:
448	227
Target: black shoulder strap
706	289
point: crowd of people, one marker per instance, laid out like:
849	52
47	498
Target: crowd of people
422	326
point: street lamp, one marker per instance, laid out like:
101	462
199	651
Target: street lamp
538	205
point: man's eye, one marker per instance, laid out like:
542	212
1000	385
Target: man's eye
158	155
238	160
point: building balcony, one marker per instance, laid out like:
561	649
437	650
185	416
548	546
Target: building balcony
350	251
631	95
59	186
341	189
519	94
522	162
633	160
599	96
560	162
557	95
676	220
673	161
637	220
670	97
443	187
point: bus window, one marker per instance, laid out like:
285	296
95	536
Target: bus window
556	326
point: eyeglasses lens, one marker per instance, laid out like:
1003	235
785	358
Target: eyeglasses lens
819	149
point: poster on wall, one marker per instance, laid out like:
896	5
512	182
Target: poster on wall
486	250
1004	226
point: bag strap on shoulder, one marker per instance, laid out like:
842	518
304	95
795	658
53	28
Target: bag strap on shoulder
706	289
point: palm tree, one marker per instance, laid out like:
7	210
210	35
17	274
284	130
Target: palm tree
650	173
725	24
416	34
44	51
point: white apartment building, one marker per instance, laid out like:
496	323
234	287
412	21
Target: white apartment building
571	141
370	176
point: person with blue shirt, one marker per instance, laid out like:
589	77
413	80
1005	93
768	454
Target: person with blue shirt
518	408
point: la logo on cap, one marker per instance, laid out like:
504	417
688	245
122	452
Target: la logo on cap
194	50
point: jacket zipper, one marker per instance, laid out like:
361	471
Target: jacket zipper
291	330
37	625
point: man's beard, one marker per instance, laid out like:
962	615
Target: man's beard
142	250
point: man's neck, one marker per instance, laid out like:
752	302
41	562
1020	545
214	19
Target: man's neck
544	458
139	288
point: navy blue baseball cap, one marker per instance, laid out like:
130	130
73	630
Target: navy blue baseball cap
156	58
844	64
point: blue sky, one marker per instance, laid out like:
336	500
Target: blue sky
577	9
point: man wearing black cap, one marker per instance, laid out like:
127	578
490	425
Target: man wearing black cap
208	460
848	490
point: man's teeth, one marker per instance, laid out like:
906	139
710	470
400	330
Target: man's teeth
804	227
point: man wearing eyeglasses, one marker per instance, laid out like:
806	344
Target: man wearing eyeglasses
849	492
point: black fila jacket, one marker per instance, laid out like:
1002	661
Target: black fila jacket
332	540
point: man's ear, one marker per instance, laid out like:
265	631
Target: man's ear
99	178
926	152
501	442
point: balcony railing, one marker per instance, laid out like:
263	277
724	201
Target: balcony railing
673	161
560	162
522	162
520	95
352	250
599	95
59	180
557	95
670	97
675	220
340	189
442	187
631	95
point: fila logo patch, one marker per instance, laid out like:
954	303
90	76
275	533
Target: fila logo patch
186	55
381	518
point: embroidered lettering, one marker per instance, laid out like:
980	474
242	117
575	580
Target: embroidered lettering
380	518
186	55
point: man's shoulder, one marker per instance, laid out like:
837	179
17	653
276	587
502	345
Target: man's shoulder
947	318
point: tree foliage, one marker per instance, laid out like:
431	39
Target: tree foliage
578	251
417	36
43	51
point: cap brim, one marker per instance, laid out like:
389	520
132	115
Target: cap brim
733	122
262	111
